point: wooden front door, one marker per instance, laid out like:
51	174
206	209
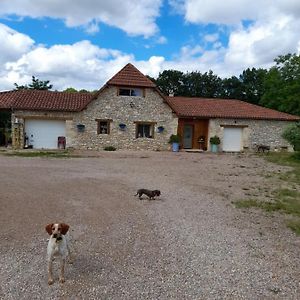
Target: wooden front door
188	136
191	131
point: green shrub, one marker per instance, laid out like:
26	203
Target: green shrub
215	140
110	148
174	138
296	156
292	135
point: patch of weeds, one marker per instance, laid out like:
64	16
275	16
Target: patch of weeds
285	201
110	148
290	201
253	203
54	154
268	175
294	225
246	203
284	158
275	290
287	159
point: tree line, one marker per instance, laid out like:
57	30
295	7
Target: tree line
277	88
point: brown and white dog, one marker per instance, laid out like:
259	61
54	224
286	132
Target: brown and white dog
57	246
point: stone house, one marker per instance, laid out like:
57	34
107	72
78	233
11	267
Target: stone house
239	125
130	112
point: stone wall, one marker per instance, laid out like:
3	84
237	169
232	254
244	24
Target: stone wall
119	109
126	110
255	132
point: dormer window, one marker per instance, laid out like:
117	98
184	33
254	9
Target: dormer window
134	92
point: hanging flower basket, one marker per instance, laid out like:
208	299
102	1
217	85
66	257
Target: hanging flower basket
122	126
80	127
160	129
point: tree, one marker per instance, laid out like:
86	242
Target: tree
202	85
252	84
70	90
292	135
282	85
36	84
5	119
190	84
231	88
171	82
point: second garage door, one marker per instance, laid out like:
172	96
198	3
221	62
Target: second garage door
44	133
232	139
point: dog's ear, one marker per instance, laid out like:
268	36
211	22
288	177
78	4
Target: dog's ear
49	228
64	228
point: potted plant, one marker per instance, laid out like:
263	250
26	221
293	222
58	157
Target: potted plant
174	141
214	141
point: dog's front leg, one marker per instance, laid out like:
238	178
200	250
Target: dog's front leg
70	256
62	270
50	275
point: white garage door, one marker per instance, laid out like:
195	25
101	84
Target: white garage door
44	133
232	139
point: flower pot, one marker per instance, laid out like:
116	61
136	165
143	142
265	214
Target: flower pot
214	148
160	129
122	126
80	127
175	147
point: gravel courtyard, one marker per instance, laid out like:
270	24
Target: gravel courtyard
191	243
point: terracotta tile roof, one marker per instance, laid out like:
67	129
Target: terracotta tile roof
130	76
45	100
224	108
6	99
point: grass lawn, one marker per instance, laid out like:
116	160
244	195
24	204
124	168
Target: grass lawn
26	153
285	200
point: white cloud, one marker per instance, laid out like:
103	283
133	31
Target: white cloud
135	17
162	40
13	44
219	12
92	28
211	37
80	65
273	29
232	12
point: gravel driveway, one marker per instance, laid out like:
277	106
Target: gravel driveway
191	243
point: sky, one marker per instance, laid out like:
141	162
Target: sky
82	44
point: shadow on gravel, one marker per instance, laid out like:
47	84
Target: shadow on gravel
86	265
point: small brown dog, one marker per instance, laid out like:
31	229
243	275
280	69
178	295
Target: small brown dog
150	194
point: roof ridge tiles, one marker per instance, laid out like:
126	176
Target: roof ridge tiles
129	75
